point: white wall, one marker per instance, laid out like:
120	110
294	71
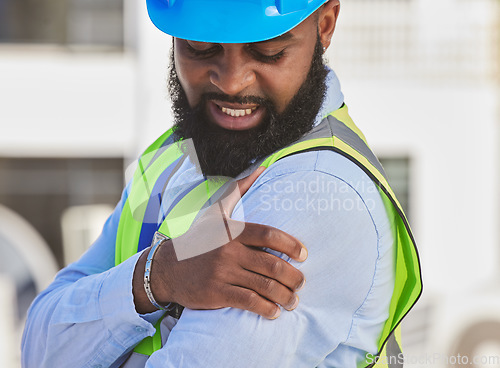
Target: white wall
58	103
153	53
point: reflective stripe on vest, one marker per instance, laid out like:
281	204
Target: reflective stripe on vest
336	132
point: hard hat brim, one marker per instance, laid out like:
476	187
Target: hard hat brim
225	21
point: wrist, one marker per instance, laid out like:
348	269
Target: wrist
141	301
158	271
158	240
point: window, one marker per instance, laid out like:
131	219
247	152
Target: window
398	172
63	22
394	39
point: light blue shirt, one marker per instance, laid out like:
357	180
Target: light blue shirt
87	318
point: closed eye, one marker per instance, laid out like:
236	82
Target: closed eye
204	50
207	49
266	58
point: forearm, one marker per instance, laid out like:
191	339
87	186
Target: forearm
88	320
87	314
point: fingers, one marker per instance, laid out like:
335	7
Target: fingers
258	235
243	298
271	268
268	288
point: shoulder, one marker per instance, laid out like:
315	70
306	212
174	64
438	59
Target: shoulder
315	194
325	174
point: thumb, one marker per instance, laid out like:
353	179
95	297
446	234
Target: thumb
242	187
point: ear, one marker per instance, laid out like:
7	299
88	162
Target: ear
327	21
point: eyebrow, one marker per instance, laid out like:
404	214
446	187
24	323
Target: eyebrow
284	37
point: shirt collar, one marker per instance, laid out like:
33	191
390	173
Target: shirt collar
334	98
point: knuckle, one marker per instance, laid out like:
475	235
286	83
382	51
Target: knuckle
252	300
267	235
232	297
268	284
275	266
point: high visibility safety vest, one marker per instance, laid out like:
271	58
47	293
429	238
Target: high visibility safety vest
337	132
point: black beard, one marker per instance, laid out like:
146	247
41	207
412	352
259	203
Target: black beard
223	152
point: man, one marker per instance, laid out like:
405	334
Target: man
252	96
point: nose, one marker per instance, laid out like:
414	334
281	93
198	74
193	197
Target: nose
232	72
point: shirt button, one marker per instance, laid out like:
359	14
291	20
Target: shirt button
140	329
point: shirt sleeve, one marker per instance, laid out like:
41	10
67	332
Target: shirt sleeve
349	275
86	317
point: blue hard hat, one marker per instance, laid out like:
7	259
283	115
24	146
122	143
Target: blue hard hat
229	21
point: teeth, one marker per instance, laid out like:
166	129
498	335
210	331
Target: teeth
238	112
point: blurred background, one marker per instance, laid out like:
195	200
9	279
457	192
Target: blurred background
82	92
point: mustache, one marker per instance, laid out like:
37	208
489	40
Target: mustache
208	96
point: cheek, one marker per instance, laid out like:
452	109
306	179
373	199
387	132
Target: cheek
286	81
190	78
187	84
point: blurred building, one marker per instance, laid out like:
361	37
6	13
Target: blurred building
82	91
